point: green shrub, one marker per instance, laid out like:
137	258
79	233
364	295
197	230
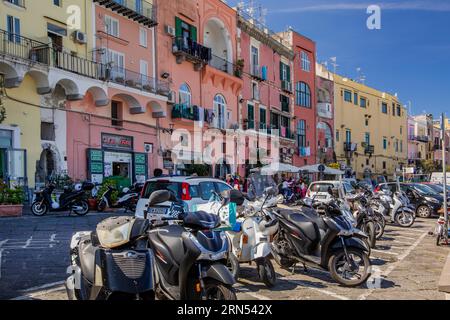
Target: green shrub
8	196
108	182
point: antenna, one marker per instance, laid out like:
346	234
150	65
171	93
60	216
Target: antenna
334	63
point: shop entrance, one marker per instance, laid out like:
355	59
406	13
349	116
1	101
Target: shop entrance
119	166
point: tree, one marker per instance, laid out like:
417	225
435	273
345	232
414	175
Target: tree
428	166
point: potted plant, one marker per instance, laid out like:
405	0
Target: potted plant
119	80
11	201
239	68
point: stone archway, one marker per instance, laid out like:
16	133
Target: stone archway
49	163
217	37
12	77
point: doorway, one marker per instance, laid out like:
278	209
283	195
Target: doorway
3	169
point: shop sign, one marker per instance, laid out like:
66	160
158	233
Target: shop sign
112	141
140	166
95	165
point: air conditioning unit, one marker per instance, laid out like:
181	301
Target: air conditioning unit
171	97
170	30
80	37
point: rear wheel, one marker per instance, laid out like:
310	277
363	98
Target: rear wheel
215	290
266	272
371	232
404	219
233	265
350	271
101	206
39	208
379	229
82	208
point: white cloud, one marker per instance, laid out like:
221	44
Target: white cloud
398	5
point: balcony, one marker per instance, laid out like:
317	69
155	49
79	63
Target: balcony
419	138
186	112
187	50
324	110
19	3
256	72
225	66
286	86
369	149
23	48
140	11
350	147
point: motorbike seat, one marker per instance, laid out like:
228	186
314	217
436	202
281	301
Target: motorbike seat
87	259
304	223
314	218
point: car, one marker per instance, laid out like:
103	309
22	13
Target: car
438	188
190	190
319	190
426	201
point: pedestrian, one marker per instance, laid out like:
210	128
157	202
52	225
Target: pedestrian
157	173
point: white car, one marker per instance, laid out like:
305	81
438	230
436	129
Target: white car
319	190
191	190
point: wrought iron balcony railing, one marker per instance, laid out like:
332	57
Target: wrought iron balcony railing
187	49
140	11
225	66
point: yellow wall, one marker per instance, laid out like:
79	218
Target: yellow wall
36	14
27	118
351	116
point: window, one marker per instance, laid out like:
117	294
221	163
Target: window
384	165
401	146
367	122
393	109
60	31
303	95
221	187
13	28
396	145
399	111
284	103
144	68
251	116
285	72
57	3
118	62
220	110
347	96
255	91
301	134
363	102
384	108
47	131
255	60
143	37
207	190
367	139
306	63
355	100
262	118
116	114
185	32
185	95
112	26
348	136
385	143
337	136
401	130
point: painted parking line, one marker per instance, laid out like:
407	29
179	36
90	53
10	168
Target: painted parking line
306	286
392	267
244	290
385	252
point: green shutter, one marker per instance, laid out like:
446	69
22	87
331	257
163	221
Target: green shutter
288	74
178	30
281	71
194	33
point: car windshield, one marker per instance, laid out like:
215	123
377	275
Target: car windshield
436	188
423	189
258	183
153	186
321	187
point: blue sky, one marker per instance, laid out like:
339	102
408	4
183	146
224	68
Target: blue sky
410	55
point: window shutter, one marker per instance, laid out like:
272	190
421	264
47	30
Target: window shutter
281	71
17	29
288	73
178	30
194	33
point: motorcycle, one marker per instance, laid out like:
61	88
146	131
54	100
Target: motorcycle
254	229
322	236
112	263
190	255
127	199
72	200
401	211
365	220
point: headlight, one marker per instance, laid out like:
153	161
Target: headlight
433	200
115	237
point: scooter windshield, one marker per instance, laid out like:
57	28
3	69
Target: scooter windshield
258	184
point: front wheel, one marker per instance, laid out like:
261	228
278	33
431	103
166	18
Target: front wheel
350	270
404	219
101	206
371	232
82	208
424	212
233	265
39	208
215	290
266	272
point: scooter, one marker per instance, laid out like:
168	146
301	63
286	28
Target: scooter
401	211
251	236
322	237
72	200
363	214
127	199
112	263
190	255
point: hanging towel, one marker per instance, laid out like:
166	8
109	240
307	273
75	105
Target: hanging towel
201	116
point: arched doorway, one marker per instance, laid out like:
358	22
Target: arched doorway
46	166
217	37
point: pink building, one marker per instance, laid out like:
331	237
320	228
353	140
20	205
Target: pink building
268	92
114	130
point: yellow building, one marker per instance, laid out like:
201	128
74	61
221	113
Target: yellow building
370	129
42	44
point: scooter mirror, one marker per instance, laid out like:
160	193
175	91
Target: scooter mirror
160	196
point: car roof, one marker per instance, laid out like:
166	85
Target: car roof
185	179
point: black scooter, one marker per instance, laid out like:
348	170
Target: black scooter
73	200
128	198
112	263
323	238
190	255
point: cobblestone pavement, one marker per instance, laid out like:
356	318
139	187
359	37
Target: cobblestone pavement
406	265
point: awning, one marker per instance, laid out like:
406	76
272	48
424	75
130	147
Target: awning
277	167
328	170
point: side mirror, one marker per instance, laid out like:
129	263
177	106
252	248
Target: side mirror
234	196
272	191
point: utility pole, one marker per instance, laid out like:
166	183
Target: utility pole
444	170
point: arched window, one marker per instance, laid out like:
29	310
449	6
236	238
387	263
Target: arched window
303	95
220	111
185	95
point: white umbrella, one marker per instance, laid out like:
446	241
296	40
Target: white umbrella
276	168
328	170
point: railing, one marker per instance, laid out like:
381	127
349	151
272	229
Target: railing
130	8
369	149
185	111
286	85
19	3
136	80
256	71
17	46
419	138
69	62
225	66
350	147
324	110
191	48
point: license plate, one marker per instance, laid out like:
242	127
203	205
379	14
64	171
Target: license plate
161	211
321	197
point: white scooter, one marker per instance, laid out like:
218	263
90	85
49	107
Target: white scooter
401	211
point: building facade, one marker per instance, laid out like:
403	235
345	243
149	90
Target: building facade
325	115
370	129
418	140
